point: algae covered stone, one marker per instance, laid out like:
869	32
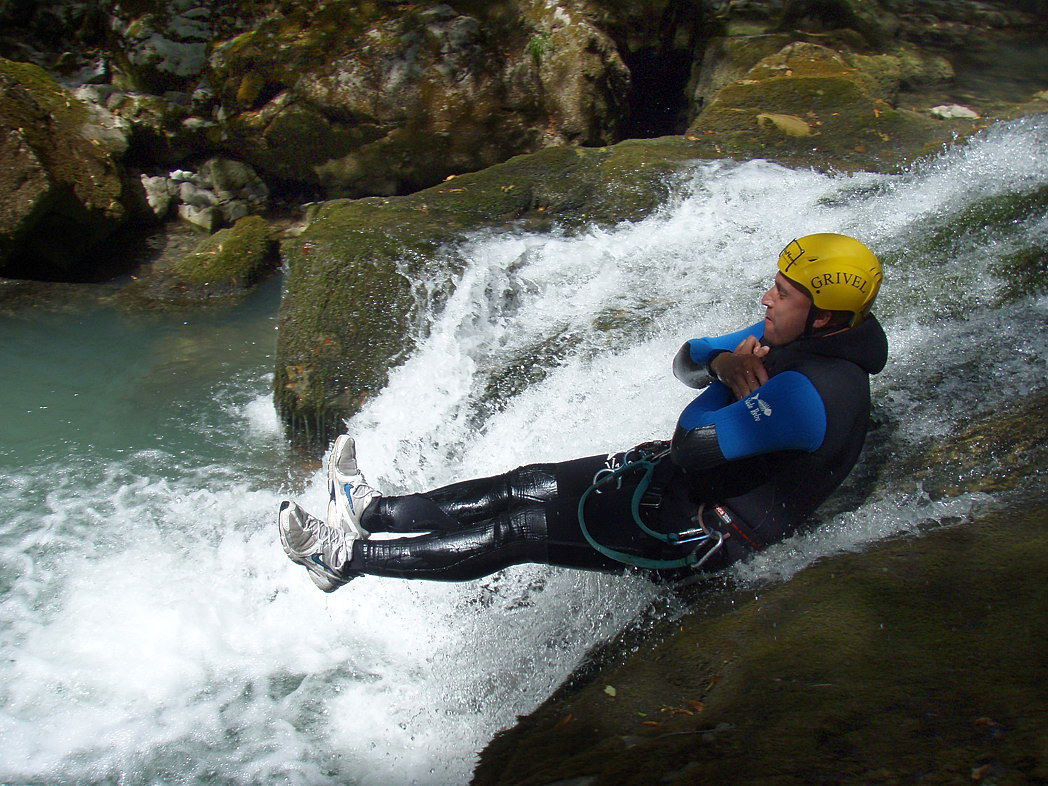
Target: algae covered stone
60	192
908	662
222	266
236	256
362	98
346	314
851	124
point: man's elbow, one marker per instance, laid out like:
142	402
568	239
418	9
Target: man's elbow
687	370
697	448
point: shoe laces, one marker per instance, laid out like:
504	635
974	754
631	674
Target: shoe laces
329	537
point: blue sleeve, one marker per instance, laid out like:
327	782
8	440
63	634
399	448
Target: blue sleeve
703	349
785	413
690	364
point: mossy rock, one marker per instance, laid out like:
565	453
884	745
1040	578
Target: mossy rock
852	126
871	19
222	266
364	98
344	319
62	192
910	662
991	456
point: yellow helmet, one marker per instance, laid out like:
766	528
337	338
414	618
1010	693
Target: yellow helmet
839	272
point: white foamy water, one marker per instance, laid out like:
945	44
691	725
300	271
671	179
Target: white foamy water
151	629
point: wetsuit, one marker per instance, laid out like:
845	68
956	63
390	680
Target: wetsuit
755	468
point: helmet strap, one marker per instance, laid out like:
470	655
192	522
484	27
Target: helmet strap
809	322
810	331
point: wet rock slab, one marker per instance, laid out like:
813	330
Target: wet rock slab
915	661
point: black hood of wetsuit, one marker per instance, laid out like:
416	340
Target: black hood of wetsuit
774	492
865	345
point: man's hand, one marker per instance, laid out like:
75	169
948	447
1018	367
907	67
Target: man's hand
742	370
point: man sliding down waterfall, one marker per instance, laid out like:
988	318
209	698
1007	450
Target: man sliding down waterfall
752	456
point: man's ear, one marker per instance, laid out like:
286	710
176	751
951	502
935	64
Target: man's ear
822	319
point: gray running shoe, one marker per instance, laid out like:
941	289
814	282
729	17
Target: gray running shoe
322	550
350	493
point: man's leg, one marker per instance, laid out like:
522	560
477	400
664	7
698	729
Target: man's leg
470	552
459	505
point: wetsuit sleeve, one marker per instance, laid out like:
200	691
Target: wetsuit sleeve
691	365
785	413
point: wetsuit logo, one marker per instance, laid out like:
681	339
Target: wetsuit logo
758	407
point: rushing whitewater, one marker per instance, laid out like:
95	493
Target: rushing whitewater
151	629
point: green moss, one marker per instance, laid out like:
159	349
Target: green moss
292	40
221	268
58	102
234	256
538	46
1025	273
1003	219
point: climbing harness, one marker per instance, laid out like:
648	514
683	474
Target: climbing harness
706	541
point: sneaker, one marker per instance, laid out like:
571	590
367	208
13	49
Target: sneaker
350	493
322	550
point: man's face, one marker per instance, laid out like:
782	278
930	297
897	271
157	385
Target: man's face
787	311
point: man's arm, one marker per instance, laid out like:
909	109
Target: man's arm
691	364
786	413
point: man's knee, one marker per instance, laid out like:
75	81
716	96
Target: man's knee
533	483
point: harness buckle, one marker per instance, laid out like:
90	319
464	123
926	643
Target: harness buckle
651	499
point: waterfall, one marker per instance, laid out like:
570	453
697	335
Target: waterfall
151	628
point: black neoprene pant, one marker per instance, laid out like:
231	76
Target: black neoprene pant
481	526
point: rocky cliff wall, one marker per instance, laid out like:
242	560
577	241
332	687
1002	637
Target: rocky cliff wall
350	98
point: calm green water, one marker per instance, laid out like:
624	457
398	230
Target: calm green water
86	381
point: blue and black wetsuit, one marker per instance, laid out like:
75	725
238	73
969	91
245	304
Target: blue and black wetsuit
756	467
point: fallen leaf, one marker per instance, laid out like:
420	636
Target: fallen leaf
564	721
791	125
610	691
652	723
698	706
860	148
978	773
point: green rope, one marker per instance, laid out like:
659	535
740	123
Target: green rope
647	464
